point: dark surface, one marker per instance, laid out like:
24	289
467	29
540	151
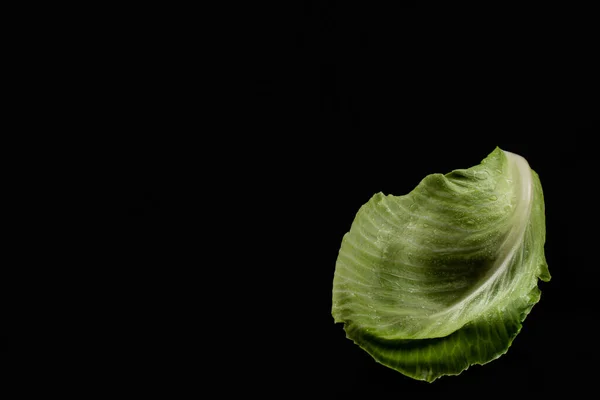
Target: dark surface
340	106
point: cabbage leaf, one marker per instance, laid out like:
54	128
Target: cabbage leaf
442	278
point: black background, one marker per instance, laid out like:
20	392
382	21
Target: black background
336	103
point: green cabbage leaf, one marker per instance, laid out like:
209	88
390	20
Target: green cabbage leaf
442	278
